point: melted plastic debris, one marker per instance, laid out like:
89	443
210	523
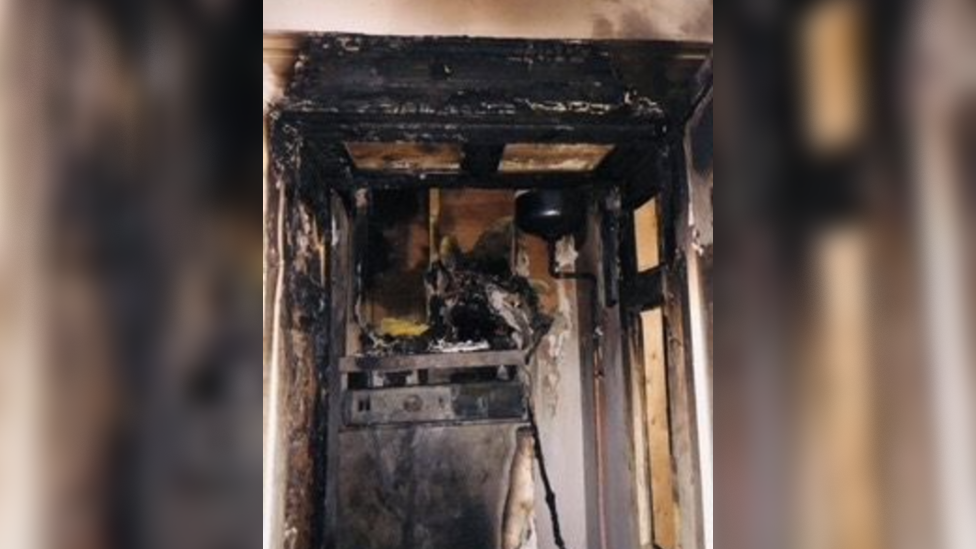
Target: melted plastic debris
398	327
475	303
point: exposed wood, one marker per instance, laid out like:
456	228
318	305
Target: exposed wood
682	412
467	214
832	50
643	292
633	364
543	158
681	389
406	157
839	451
280	54
281	50
644	489
656	420
647	236
399	363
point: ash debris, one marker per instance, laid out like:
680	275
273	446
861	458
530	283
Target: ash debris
475	302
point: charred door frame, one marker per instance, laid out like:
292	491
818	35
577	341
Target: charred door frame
427	90
679	287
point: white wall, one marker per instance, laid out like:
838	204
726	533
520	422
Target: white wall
637	19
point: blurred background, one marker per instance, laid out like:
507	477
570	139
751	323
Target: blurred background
844	413
130	272
130	243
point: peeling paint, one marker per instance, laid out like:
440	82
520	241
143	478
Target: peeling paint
566	253
561	334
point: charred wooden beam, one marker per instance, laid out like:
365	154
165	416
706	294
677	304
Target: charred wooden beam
327	128
610	237
680	366
448	64
684	433
341	275
466	90
620	163
482	160
647	177
300	315
377	181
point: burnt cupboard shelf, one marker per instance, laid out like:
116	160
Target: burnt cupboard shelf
405	363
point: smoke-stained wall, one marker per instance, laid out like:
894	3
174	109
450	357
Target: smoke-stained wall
569	19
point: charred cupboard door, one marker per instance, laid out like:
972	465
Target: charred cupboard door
427	441
426	487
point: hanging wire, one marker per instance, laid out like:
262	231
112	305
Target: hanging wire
539	456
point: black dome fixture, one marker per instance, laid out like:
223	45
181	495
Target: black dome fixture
552	214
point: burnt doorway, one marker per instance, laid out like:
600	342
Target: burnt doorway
412	309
